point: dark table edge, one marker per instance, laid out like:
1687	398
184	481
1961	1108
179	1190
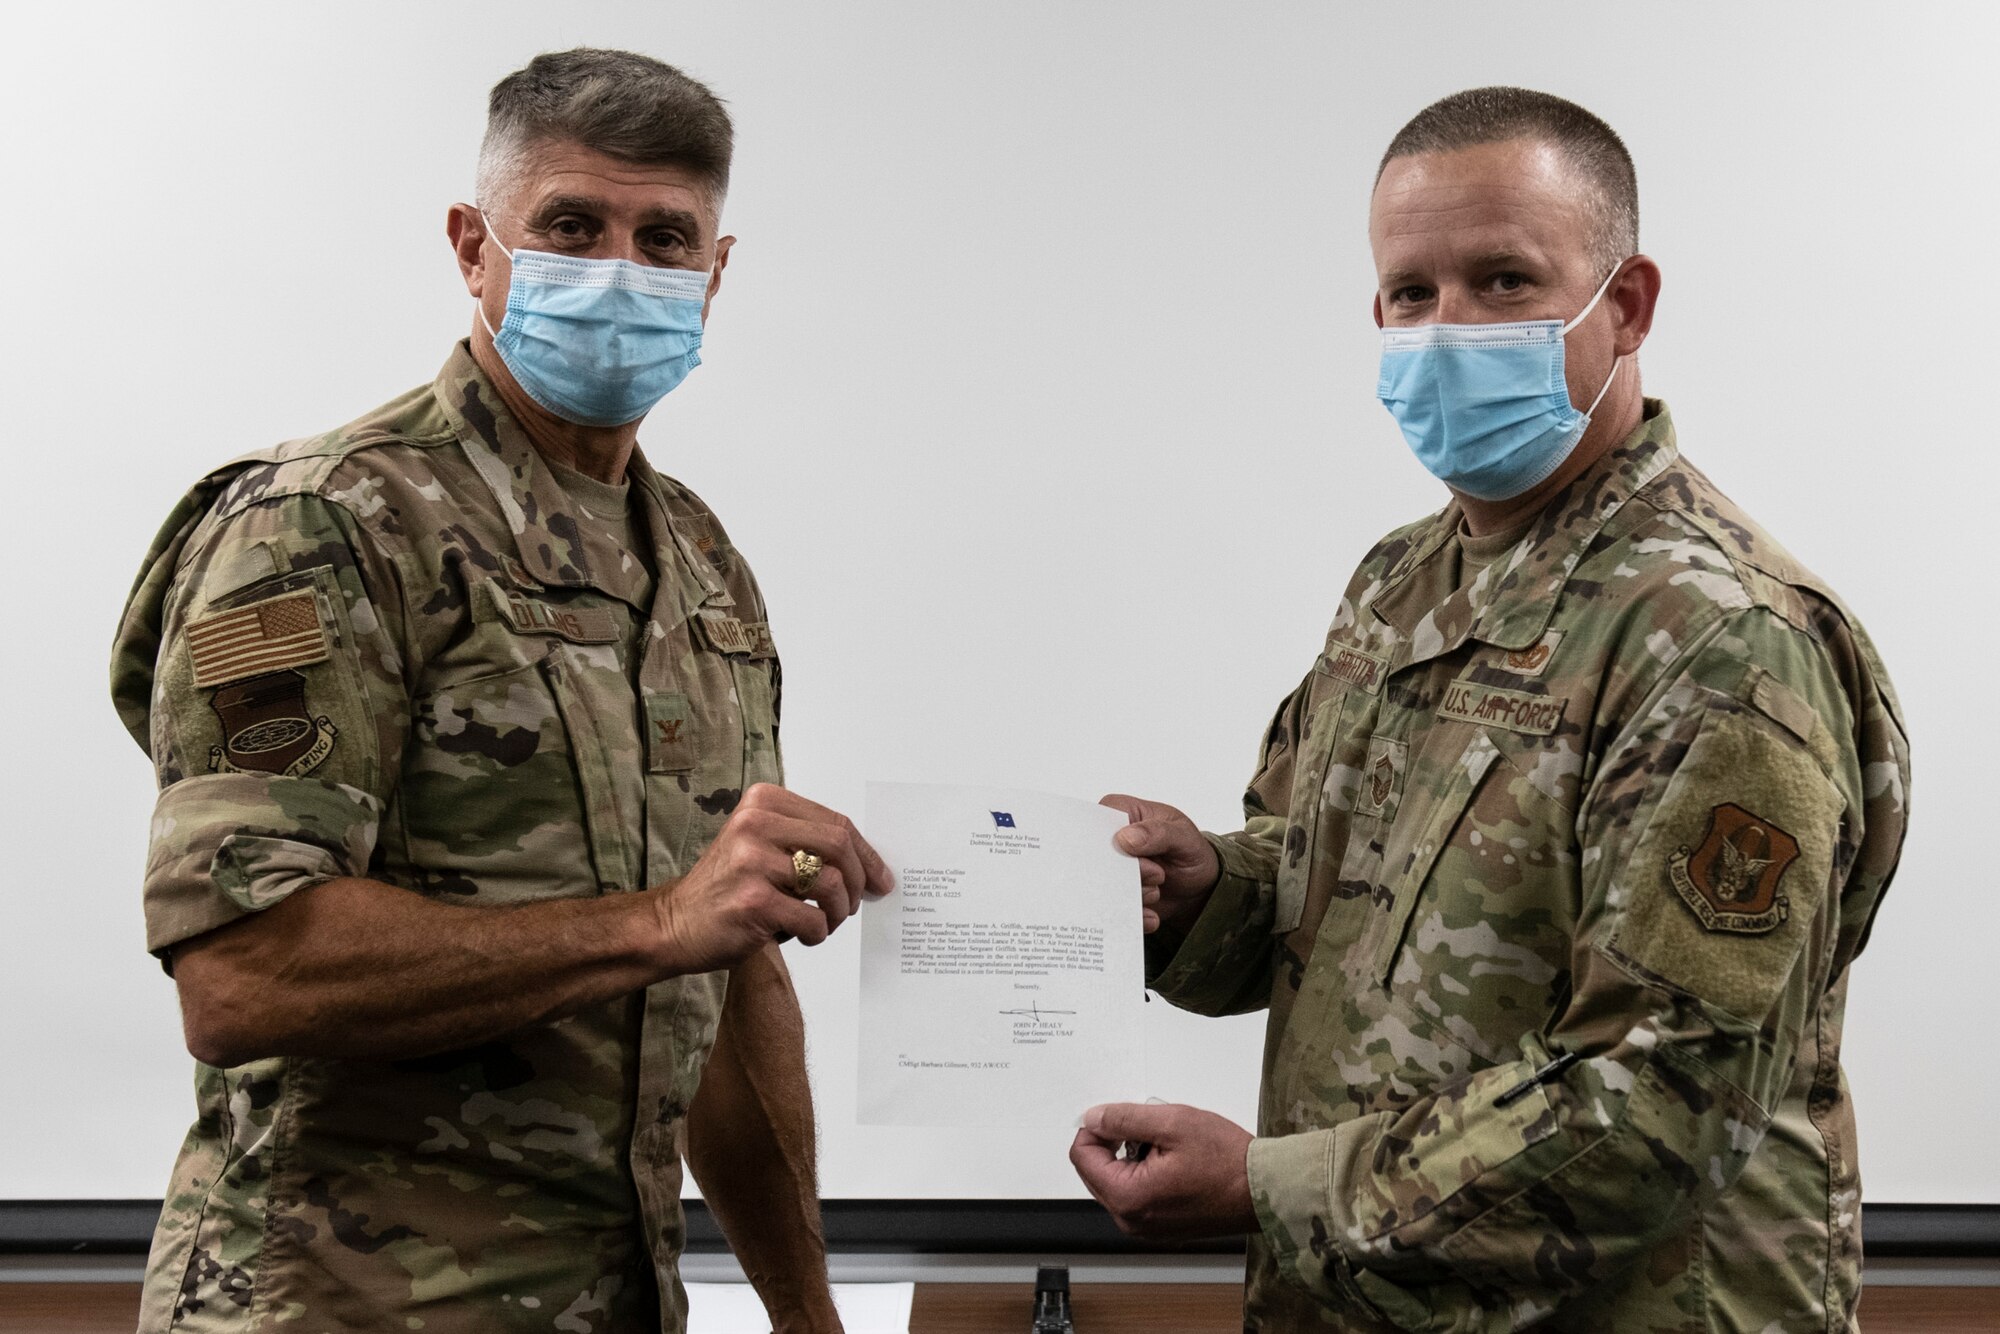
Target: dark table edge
959	1227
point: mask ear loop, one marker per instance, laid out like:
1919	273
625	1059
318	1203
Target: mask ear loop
494	237
1581	315
1616	363
1602	288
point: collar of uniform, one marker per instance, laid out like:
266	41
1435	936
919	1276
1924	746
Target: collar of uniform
674	548
1510	603
548	531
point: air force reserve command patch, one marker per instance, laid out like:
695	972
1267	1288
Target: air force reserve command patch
1731	880
251	653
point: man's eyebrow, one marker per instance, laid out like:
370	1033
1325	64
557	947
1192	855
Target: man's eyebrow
671	217
557	205
1503	259
1485	261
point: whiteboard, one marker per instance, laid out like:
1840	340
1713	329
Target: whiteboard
1039	394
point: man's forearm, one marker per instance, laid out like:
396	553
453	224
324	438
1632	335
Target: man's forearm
751	1145
1220	961
359	969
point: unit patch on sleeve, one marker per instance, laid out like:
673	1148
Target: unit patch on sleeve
267	728
268	636
1731	880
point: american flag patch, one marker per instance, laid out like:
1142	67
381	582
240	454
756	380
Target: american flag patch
267	636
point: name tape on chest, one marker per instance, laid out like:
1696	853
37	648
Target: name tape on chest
726	634
532	616
1492	706
1361	670
272	635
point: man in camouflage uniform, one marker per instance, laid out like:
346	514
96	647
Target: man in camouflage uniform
1554	864
469	853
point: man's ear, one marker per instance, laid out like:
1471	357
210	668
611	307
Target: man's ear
1377	307
1634	295
467	232
723	245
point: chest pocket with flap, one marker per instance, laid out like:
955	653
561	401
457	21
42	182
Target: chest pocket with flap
711	730
1427	820
1479	885
1340	709
511	786
753	678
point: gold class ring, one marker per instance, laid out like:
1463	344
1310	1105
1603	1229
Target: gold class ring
805	872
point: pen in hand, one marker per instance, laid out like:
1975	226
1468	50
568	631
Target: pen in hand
1135	1150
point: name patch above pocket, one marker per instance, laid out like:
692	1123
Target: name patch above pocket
1351	665
532	616
1491	706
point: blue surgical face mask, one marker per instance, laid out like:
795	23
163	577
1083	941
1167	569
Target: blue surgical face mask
597	342
1485	406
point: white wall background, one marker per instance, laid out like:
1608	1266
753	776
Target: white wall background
1040	394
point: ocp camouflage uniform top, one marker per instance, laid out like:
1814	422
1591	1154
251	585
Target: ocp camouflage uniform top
1616	810
397	651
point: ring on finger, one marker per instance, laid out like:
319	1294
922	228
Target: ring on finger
805	872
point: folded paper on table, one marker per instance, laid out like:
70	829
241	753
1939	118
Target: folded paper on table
734	1308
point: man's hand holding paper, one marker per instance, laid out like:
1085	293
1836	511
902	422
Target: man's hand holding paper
1176	864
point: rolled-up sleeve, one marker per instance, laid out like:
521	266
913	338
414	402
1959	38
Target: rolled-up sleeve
225	845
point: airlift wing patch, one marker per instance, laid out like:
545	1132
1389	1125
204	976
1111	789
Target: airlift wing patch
267	727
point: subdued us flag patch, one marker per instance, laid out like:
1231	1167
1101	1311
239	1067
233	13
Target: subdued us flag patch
268	636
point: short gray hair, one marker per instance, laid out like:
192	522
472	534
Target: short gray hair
619	103
1591	147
